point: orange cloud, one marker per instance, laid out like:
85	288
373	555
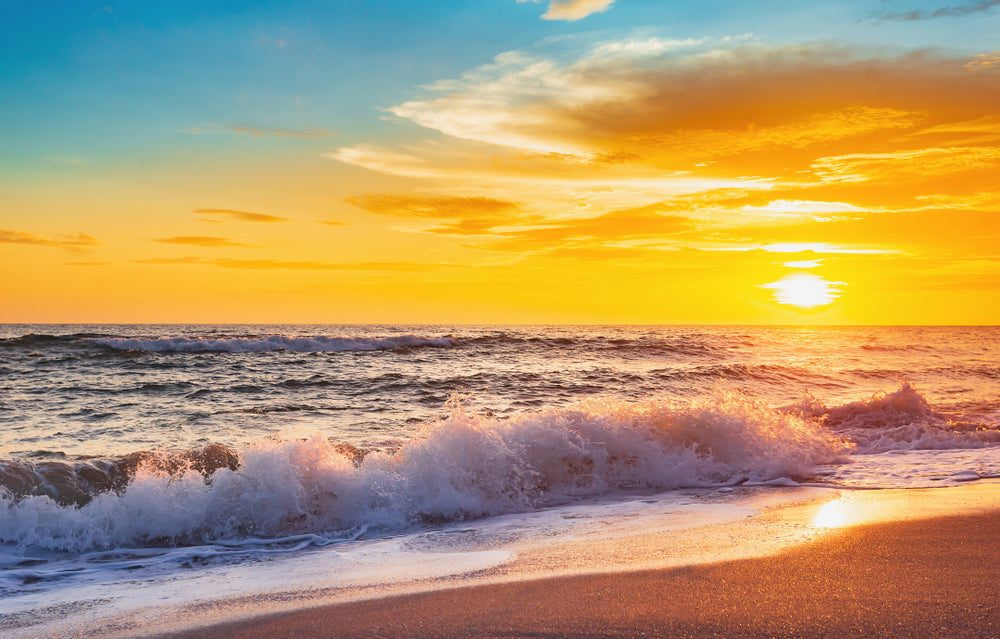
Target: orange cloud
984	61
200	240
931	162
297	265
440	207
74	242
643	223
677	104
241	216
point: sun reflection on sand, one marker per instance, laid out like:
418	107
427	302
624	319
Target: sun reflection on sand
834	514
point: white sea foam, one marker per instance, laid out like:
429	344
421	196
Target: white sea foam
271	343
464	466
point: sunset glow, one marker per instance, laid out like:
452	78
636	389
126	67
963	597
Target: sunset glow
583	162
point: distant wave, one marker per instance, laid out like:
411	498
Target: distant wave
270	343
464	466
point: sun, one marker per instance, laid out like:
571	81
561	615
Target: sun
804	290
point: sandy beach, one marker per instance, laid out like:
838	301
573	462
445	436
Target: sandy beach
926	578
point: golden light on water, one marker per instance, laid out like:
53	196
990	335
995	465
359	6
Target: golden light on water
804	290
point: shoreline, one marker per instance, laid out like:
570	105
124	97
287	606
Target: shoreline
927	577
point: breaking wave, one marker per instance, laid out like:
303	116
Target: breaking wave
899	420
464	466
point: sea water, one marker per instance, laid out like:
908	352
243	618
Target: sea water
149	467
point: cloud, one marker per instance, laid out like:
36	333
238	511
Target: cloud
984	61
797	208
641	223
310	133
295	265
469	215
572	10
87	263
440	207
975	131
201	240
604	253
857	167
955	11
641	106
473	162
627	149
73	242
822	248
241	216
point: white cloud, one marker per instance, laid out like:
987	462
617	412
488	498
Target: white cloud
520	100
573	10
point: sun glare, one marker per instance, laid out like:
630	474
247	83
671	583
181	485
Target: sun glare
833	514
804	290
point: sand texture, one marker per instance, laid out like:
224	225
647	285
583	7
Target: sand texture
931	578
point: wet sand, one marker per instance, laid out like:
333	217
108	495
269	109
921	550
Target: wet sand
929	578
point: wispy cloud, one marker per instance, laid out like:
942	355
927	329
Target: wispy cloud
599	233
984	61
243	128
295	265
647	221
73	242
201	240
572	10
821	248
439	207
955	11
213	215
930	161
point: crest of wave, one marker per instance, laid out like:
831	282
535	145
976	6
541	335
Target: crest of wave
899	420
464	466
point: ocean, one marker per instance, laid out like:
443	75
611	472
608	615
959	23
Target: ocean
143	467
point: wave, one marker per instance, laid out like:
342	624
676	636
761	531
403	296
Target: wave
464	466
270	343
644	344
903	419
76	483
31	340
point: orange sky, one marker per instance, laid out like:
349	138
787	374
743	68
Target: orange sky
610	178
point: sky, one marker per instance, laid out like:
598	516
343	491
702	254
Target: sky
500	162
